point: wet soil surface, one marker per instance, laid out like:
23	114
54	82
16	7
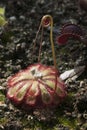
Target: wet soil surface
16	44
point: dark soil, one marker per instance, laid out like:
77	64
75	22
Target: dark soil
16	44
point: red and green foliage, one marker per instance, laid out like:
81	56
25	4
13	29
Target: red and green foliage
36	86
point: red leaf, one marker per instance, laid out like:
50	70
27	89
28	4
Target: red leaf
70	30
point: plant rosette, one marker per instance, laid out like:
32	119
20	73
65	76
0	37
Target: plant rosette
37	86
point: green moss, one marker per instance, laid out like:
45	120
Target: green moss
71	123
3	120
2	97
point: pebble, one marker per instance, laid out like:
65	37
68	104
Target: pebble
41	2
11	108
30	117
12	18
85	116
1	46
18	47
2	88
2	104
1	127
82	84
22	17
23	45
43	43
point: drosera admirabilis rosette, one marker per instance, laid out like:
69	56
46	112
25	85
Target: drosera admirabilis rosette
38	85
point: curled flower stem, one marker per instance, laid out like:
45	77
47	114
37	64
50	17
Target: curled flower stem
46	21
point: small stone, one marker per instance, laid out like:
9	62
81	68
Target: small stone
2	104
43	43
18	47
41	2
22	17
82	84
85	116
13	18
11	108
1	127
2	88
1	46
33	11
30	117
23	45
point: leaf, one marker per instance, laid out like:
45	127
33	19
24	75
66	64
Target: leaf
2	17
2	11
70	31
73	73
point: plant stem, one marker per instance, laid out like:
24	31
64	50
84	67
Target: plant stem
51	35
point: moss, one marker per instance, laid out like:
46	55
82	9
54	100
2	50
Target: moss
3	120
2	97
71	123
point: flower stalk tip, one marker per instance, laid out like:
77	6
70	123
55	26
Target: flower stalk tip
46	21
